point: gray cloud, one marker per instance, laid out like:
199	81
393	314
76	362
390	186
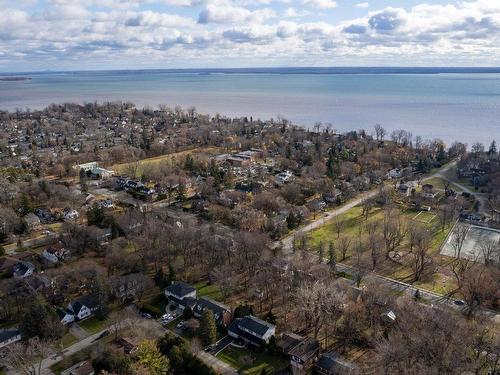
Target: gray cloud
386	21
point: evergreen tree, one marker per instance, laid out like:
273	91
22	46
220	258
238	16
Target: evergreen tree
101	295
160	279
26	204
187	313
95	215
208	327
171	274
181	192
493	148
40	319
320	251
332	261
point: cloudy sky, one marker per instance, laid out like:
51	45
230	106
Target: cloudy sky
115	34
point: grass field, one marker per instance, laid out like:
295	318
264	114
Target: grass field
93	325
68	340
143	164
353	222
251	363
205	289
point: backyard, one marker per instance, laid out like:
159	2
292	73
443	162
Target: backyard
250	362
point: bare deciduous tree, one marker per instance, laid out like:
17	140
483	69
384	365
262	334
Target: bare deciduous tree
26	357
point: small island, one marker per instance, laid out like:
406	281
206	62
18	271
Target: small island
15	79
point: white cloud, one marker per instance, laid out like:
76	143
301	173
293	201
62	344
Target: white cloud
321	4
362	5
291	12
222	14
66	32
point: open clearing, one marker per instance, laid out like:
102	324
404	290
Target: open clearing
353	223
472	244
141	165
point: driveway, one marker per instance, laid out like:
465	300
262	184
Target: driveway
222	344
78	331
219	366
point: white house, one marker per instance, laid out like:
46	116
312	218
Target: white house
55	253
70	214
393	173
284	176
9	336
23	269
83	307
65	316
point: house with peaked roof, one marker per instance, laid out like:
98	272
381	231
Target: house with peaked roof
23	269
429	192
55	253
251	329
332	363
179	291
301	351
65	316
222	313
81	368
9	336
83	306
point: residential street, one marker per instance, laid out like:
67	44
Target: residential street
209	359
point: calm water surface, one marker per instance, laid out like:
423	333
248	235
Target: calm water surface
451	106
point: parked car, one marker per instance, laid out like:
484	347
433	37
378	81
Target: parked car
459	302
147	316
180	325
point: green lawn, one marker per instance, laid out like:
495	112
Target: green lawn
250	362
68	340
93	325
204	289
353	221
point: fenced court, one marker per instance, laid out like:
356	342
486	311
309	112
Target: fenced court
472	244
424	217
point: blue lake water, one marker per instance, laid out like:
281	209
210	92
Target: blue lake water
452	105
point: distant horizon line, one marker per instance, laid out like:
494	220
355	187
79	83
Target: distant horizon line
283	69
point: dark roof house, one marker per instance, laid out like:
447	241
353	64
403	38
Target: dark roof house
302	351
222	313
178	291
332	363
252	330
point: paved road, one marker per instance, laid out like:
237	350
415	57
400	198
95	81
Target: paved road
43	239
